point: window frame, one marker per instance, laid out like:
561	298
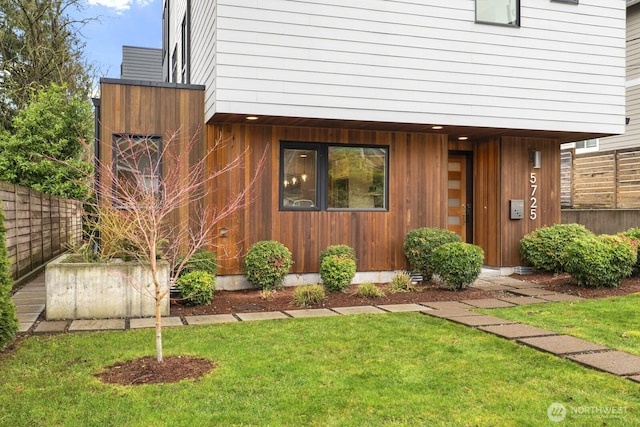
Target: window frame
585	149
322	176
500	24
114	160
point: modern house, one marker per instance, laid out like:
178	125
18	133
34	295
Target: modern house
384	116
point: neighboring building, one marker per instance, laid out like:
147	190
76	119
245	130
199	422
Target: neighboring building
385	116
141	63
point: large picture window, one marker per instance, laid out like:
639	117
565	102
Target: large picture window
333	177
500	12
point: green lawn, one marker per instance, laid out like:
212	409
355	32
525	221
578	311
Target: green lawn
389	369
613	322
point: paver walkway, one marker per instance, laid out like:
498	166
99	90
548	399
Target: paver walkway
30	304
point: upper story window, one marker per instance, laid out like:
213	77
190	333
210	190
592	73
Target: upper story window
587	146
333	177
499	12
184	51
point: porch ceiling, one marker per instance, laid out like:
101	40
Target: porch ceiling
454	132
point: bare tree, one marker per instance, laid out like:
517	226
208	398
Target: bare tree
142	199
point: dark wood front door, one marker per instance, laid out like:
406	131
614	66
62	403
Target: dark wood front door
459	207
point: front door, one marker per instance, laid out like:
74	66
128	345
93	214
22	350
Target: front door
458	200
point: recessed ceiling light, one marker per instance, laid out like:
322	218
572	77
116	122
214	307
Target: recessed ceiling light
436	127
463	138
252	117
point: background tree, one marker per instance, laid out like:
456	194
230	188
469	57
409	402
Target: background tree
40	44
47	149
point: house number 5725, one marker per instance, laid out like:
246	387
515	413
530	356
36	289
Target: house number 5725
533	200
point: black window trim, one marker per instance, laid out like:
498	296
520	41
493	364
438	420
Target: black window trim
322	151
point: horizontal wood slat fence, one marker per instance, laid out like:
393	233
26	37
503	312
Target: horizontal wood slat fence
608	179
39	226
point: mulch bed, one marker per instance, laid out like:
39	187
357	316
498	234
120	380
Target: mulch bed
147	370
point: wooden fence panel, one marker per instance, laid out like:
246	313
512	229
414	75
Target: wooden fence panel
628	179
566	178
39	226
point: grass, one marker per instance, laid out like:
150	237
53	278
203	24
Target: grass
386	369
612	322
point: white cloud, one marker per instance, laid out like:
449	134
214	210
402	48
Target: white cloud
119	5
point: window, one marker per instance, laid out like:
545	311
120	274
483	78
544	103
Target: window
586	146
327	177
183	51
501	12
137	166
174	65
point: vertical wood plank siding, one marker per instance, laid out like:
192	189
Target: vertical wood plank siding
417	198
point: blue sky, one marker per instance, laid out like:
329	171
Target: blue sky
121	22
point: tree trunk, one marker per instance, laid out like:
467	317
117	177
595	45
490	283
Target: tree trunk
158	330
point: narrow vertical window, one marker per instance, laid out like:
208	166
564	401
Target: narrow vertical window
174	65
183	50
300	178
137	167
500	12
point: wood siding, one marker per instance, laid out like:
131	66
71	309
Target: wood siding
414	62
417	198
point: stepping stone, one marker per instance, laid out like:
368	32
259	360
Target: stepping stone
263	315
561	297
209	319
50	326
635	378
490	286
515	330
532	292
487	303
450	313
366	309
440	305
312	312
562	344
522	300
506	280
399	308
519	284
96	325
481	320
614	362
150	322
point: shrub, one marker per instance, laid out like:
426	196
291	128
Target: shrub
202	261
196	287
599	261
633	234
542	248
369	290
401	282
419	245
337	272
457	264
307	295
8	318
343	251
267	263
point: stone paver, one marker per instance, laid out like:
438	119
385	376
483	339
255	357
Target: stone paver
209	319
150	322
614	362
562	344
399	308
532	292
561	297
487	303
96	325
263	315
516	330
448	313
367	309
440	305
50	326
635	378
312	312
491	287
480	320
522	300
518	284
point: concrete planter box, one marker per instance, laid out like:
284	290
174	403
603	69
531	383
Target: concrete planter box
101	290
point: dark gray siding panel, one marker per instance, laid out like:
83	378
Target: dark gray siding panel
141	63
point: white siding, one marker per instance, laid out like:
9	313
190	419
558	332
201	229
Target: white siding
414	62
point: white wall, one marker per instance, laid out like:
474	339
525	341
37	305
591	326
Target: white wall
414	61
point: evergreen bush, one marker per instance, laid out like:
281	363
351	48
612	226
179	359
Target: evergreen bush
543	247
457	264
633	234
337	272
419	245
8	317
196	287
267	263
343	251
202	261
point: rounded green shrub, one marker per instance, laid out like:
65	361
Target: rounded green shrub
419	245
202	261
196	287
308	295
599	261
343	251
337	272
543	247
369	290
267	263
633	234
457	264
